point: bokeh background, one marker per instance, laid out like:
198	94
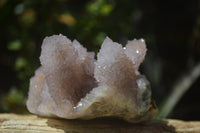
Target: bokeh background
171	30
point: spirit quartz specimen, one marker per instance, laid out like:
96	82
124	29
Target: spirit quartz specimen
71	84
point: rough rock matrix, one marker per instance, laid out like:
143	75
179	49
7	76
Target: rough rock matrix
71	84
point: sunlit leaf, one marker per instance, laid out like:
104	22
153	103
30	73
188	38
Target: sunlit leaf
12	99
94	8
67	19
99	38
99	7
20	63
15	45
106	9
14	96
28	17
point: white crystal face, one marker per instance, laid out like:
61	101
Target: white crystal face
71	84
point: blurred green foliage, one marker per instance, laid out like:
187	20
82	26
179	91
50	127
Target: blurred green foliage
171	35
14	100
15	45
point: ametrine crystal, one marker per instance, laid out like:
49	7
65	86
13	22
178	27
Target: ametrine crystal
71	84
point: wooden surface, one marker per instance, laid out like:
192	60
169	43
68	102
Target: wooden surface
32	123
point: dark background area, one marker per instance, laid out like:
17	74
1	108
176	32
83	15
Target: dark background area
171	30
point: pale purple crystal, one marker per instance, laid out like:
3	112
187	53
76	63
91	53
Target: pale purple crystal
71	84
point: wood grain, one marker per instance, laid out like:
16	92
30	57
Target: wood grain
33	123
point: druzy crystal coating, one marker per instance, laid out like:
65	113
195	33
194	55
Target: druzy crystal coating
71	84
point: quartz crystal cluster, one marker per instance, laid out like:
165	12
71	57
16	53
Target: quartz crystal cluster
71	84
